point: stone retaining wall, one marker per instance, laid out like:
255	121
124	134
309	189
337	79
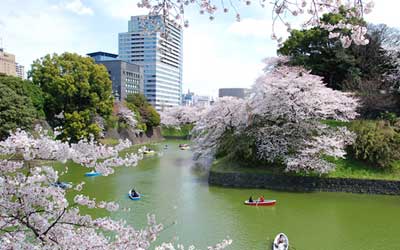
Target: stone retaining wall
152	135
303	184
185	137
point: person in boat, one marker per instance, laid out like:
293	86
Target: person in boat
281	239
251	199
134	193
261	198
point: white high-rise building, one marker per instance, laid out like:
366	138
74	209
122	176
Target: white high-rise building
20	69
161	57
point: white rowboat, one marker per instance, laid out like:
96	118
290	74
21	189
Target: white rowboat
281	242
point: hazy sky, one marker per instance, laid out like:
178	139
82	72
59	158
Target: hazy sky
221	53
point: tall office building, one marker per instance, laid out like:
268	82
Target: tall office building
7	63
161	57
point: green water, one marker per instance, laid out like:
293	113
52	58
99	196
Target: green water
205	215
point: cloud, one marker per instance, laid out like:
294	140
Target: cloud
121	9
77	7
51	30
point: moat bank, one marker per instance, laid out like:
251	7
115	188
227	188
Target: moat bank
240	179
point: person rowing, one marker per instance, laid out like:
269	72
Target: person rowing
134	193
251	199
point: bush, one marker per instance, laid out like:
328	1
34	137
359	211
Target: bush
111	122
377	143
239	148
150	116
145	113
183	131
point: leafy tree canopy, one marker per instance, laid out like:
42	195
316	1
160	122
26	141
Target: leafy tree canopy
16	110
138	102
325	56
25	88
76	86
72	83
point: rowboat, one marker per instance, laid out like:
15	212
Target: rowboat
281	242
148	152
63	185
184	146
259	203
92	173
132	197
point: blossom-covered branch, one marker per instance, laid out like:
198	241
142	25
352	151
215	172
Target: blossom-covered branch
282	11
228	113
181	115
35	214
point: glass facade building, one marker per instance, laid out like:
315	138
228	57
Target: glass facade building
160	56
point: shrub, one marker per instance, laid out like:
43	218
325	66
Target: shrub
238	147
377	143
140	106
111	122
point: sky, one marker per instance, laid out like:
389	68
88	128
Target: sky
216	54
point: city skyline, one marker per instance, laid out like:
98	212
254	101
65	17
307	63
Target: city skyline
85	26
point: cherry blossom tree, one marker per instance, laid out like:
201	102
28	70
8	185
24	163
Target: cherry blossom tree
228	113
283	12
35	214
288	105
283	114
181	115
128	116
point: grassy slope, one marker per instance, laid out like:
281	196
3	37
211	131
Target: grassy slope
184	131
345	168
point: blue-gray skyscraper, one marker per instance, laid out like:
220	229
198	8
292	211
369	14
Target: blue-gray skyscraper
161	57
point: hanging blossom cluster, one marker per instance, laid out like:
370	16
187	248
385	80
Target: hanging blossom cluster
173	11
181	115
314	9
35	214
87	153
127	116
228	113
394	75
391	44
283	114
